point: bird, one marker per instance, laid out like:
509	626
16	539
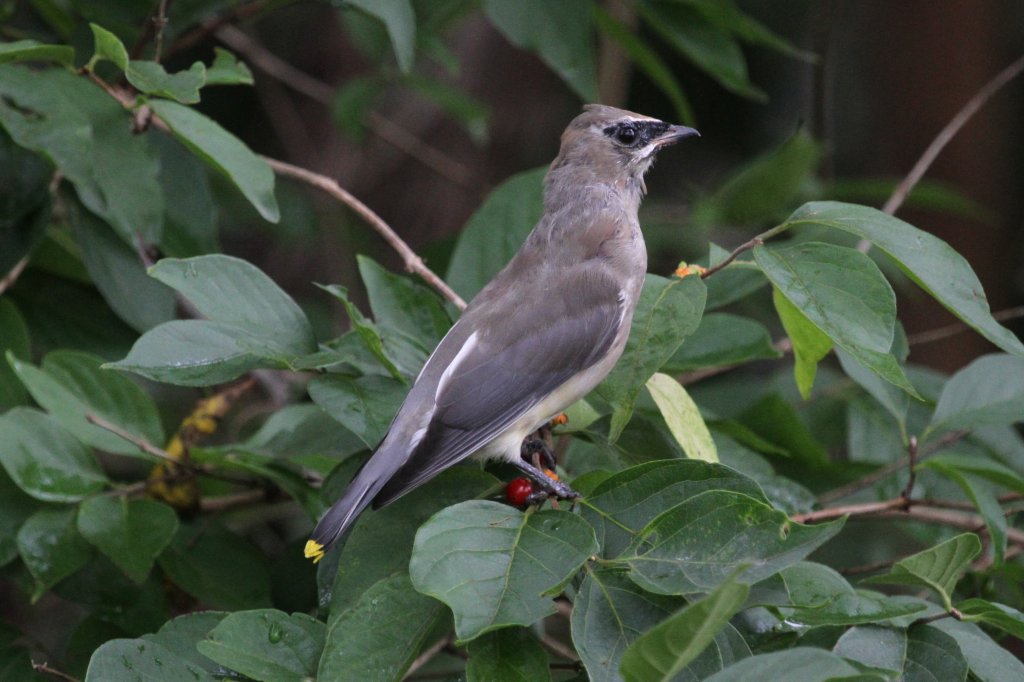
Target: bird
539	336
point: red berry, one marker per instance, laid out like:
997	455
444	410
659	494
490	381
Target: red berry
518	490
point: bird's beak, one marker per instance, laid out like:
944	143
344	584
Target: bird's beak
674	134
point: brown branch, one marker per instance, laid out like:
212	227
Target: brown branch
429	653
952	518
559	648
12	276
45	669
159	25
746	246
955	328
210	26
944	137
141	443
413	263
865	509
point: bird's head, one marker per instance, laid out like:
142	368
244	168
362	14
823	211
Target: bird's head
612	146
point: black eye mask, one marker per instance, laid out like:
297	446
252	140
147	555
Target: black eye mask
636	133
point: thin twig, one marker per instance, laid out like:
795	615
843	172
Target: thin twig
12	276
901	192
865	509
424	658
940	333
951	518
413	263
210	26
908	491
875	476
47	670
559	648
746	246
159	24
140	443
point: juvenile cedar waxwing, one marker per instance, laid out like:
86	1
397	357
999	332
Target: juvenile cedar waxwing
544	332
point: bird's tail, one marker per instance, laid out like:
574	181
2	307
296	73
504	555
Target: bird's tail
343	513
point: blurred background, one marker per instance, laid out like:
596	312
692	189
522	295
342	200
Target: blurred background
421	115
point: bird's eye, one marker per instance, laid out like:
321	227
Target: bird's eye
626	134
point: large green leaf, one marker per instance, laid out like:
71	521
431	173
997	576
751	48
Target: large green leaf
139	659
984	500
87	134
364	405
131	533
14	341
988	661
496	566
932	655
664	650
988	391
381	541
402	304
938	568
810	344
495	232
697	544
190	226
928	260
623	504
118	273
609	612
51	547
45	460
507	655
844	294
267	645
1004	617
380	635
71	385
880	647
224	152
561	34
399	19
33	50
668	311
723	339
15	508
799	664
180	636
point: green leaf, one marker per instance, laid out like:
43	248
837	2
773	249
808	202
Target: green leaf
71	385
507	655
267	645
224	152
131	533
664	650
207	564
896	402
495	232
107	46
844	294
647	60
139	659
381	541
938	568
399	19
985	502
799	664
972	463
118	273
227	70
609	612
727	16
624	503
494	565
810	344
180	636
875	646
668	311
51	547
88	136
470	112
372	336
190	227
697	544
152	79
926	259
723	339
988	661
988	391
15	508
402	304
709	48
932	655
14	341
1004	617
31	50
561	33
45	460
365	405
682	417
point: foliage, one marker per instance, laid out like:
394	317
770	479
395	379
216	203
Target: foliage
698	549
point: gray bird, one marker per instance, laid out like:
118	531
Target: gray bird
543	333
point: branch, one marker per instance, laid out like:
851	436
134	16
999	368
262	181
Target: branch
45	669
955	328
852	510
159	24
140	443
413	263
944	137
746	246
428	654
12	276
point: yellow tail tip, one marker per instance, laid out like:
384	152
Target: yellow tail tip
314	550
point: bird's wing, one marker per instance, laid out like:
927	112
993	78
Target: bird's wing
498	377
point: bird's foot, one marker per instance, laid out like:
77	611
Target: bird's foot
536	446
546	481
